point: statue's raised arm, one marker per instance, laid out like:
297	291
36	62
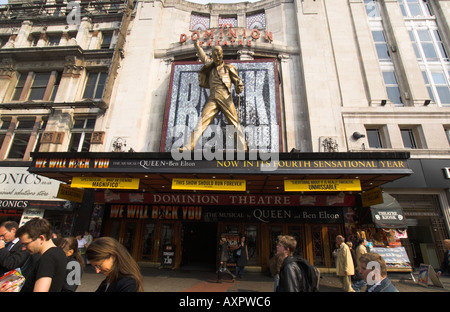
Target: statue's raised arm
201	54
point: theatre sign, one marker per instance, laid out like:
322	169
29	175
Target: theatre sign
316	171
225	36
162	162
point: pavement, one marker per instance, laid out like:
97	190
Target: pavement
203	281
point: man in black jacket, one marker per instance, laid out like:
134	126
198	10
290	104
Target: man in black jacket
11	254
290	273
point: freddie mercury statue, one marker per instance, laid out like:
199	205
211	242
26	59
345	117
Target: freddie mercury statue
217	76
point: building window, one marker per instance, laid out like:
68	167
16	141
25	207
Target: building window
386	64
381	46
34	39
21	138
57	76
39	86
408	137
430	50
80	140
371	9
95	85
19	86
447	133
430	45
392	88
107	39
42	86
4	125
440	81
428	85
374	138
199	22
414	8
3	40
228	21
434	62
256	20
53	39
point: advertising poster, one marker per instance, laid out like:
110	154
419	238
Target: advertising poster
396	258
427	276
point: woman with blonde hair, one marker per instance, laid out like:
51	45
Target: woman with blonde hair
112	259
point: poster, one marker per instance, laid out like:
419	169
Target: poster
427	276
233	240
168	256
396	258
29	214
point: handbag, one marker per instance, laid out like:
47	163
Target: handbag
238	252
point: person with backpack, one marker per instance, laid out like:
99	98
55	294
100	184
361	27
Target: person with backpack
290	273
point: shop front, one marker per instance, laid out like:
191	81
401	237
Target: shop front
24	195
425	199
384	226
147	223
173	212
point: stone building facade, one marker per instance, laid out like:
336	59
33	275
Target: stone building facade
348	76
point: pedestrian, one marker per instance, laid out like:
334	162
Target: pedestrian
75	264
274	266
82	245
12	256
242	258
290	273
49	273
57	238
223	260
374	271
445	266
360	250
88	238
356	279
344	264
113	260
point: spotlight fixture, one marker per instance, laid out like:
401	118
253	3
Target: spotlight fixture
356	135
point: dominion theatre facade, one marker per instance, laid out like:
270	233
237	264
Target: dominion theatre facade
332	128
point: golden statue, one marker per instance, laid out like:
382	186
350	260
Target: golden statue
217	76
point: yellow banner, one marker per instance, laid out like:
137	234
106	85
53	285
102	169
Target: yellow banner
324	185
209	184
107	183
69	193
372	197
